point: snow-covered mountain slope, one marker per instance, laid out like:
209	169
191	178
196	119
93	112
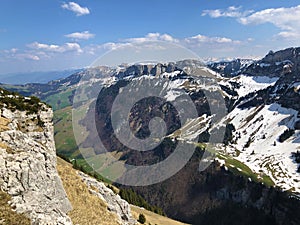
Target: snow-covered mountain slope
264	112
264	116
256	142
243	85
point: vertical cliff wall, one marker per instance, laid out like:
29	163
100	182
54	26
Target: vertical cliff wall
28	161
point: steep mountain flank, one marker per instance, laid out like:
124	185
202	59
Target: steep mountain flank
218	196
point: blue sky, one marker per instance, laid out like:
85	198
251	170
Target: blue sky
46	35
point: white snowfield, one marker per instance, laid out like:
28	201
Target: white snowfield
256	138
261	127
249	84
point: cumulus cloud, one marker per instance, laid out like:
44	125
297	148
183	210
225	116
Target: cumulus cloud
67	47
210	40
231	11
76	8
152	37
210	46
287	19
195	42
85	35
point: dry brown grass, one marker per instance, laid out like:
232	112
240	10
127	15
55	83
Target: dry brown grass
7	215
87	208
3	124
8	149
90	210
153	218
4	121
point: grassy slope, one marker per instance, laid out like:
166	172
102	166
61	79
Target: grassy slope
152	218
63	133
87	208
59	100
66	146
239	168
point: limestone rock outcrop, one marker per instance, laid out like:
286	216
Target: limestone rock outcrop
28	165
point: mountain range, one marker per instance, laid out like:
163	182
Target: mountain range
253	176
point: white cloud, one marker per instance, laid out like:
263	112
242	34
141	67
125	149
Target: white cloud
85	35
14	54
12	51
231	11
76	8
202	39
133	42
194	43
166	37
289	34
286	19
207	46
28	56
152	37
198	43
67	47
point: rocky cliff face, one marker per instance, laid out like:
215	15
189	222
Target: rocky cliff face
28	161
231	68
137	70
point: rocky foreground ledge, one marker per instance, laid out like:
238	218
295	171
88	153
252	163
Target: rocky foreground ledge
28	162
29	172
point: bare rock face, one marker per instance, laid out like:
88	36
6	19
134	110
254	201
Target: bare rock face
114	202
28	166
